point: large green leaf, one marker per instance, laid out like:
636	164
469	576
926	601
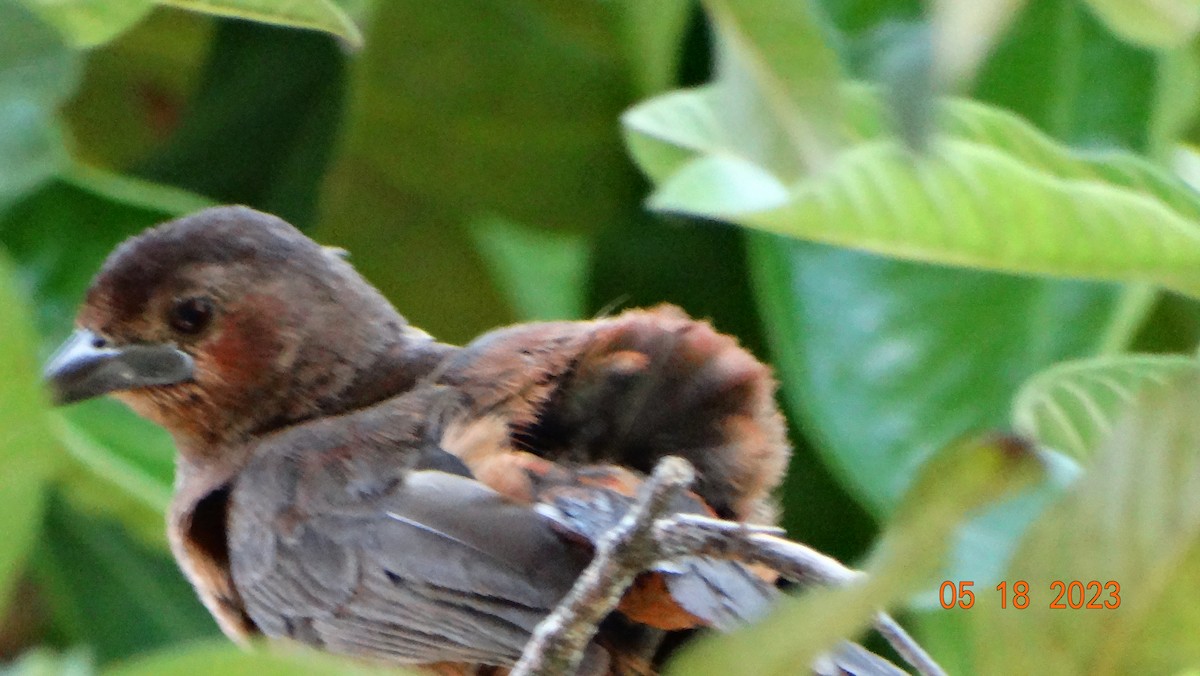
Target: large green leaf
1133	518
685	132
956	482
992	193
1074	406
37	72
88	23
28	452
886	362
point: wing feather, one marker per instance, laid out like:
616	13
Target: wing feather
432	567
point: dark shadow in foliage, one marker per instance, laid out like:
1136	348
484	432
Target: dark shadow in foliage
109	591
1060	68
262	125
1173	325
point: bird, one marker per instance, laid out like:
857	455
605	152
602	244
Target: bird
346	481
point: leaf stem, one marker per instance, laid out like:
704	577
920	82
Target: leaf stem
1134	304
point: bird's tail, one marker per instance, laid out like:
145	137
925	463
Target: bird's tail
652	383
724	594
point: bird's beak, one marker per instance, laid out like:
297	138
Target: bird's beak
85	367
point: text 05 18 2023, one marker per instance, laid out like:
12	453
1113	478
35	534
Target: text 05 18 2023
1062	594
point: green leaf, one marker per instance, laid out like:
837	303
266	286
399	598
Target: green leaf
226	658
320	15
1062	213
1074	406
59	235
1055	67
872	356
984	547
651	35
37	73
88	23
138	89
110	591
1154	23
522	129
42	662
961	479
1176	107
28	452
1133	518
720	185
963	33
777	83
543	273
124	451
91	23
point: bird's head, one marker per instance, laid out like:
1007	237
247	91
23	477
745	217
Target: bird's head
225	324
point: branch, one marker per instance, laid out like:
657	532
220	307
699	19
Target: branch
643	537
695	535
560	641
906	646
690	534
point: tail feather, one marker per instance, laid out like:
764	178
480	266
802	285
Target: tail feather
724	594
656	383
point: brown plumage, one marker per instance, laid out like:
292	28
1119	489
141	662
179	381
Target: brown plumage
348	482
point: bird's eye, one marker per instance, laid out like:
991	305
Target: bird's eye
191	315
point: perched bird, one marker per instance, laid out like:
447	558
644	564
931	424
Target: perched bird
346	481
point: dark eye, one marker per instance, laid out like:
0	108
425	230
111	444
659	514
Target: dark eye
191	315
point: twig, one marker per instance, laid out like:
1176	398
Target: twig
560	640
643	537
695	535
688	534
906	646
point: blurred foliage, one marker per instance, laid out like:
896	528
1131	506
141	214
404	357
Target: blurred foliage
861	191
962	478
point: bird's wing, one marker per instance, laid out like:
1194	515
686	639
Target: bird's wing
339	545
